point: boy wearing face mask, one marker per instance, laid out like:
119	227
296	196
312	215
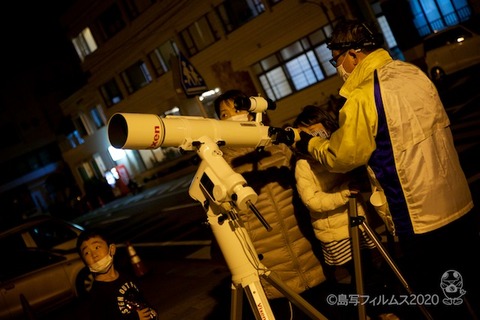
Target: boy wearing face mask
113	295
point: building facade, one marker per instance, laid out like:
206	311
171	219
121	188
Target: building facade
165	57
135	54
175	56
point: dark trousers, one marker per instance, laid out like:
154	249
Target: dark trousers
451	252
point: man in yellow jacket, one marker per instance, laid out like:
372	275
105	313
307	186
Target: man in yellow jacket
393	122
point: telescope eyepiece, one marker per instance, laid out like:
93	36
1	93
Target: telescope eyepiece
254	104
242	103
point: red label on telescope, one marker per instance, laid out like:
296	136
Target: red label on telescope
156	137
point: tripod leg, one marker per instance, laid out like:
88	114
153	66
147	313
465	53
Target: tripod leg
294	297
386	256
392	265
242	260
236	303
258	300
356	256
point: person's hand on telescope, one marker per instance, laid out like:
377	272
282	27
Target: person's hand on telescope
302	145
280	135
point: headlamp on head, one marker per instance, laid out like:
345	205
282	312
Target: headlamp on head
364	43
370	40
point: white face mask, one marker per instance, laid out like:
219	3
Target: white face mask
102	265
239	117
342	73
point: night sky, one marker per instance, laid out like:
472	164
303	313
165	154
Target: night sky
33	34
40	67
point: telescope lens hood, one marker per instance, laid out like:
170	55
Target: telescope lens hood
117	131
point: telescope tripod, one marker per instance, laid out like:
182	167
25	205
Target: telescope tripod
221	191
247	270
355	222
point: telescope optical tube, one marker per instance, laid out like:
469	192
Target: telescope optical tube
149	131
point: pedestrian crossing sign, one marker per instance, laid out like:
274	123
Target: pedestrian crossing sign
192	82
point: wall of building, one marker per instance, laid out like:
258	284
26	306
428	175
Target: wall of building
277	27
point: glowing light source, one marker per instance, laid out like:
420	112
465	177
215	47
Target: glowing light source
116	154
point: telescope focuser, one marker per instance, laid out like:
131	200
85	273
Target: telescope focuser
286	136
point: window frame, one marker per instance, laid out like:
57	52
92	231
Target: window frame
158	57
111	93
275	72
194	38
111	21
229	17
136	76
84	43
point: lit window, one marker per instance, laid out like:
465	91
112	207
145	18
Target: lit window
111	93
84	43
431	15
110	178
75	139
296	66
97	116
116	154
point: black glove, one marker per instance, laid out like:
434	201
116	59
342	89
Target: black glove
302	145
359	180
280	135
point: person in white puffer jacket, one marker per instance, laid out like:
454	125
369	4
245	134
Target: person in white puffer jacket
326	195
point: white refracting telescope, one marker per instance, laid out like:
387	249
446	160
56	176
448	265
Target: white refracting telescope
221	191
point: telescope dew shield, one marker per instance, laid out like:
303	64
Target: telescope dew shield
149	131
135	131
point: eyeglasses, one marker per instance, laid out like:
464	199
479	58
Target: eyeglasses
333	61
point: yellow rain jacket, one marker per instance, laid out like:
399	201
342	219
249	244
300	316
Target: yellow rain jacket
405	140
